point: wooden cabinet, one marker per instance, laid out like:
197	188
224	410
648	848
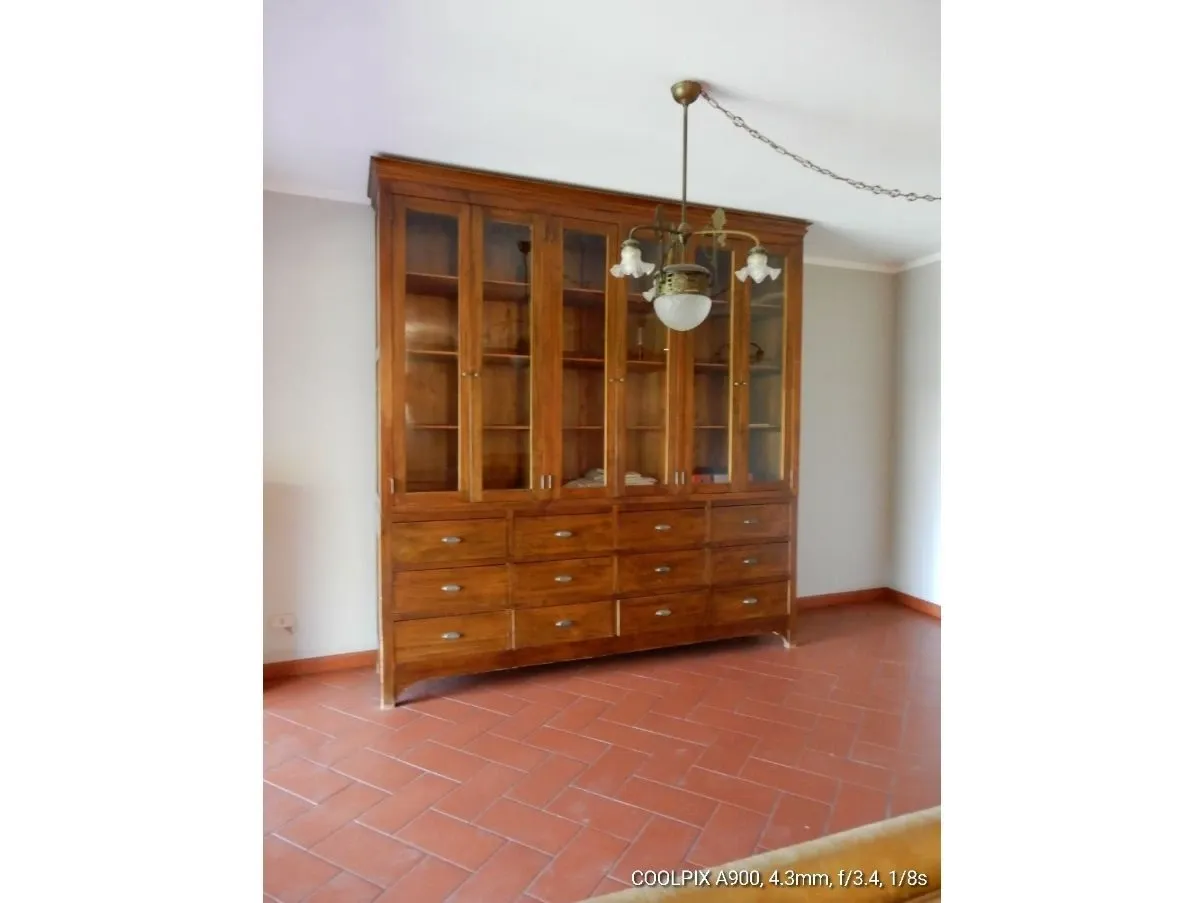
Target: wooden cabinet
550	452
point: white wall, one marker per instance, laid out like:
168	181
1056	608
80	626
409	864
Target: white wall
915	566
845	460
320	428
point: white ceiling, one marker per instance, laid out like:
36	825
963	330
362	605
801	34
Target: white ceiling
578	92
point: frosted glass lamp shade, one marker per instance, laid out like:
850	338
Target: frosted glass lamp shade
682	312
758	267
631	261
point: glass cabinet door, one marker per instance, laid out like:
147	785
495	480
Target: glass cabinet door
764	438
504	340
713	360
430	296
643	347
583	377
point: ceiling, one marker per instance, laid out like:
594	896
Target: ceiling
579	92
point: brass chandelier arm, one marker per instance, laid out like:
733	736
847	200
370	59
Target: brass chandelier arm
726	232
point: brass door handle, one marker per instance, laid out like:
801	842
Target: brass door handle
748	522
563	578
663	569
452	635
662	528
751	600
750	561
563	534
565	623
664	612
451	587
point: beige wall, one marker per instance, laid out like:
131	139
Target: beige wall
916	528
845	466
319	428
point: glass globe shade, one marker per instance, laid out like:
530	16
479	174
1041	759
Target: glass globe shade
682	312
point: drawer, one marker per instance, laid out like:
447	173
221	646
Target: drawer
564	623
443	637
736	564
743	602
770	521
662	529
648	572
673	611
563	535
450	591
449	540
549	582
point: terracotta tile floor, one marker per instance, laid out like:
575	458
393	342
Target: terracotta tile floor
553	784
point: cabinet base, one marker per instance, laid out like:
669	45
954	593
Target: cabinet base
406	674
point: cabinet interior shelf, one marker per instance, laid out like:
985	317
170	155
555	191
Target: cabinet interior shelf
500	357
725	366
723	426
441	285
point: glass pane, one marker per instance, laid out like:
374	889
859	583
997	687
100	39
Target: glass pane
506	356
583	418
647	384
713	373
765	356
432	343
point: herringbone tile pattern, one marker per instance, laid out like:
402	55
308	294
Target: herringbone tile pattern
554	784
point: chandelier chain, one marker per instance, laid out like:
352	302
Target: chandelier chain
739	123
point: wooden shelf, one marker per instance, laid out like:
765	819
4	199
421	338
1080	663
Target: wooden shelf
432	426
506	426
567	428
725	366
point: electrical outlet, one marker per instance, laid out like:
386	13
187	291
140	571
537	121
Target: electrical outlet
285	622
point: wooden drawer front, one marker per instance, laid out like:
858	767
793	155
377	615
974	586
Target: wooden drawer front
564	623
450	591
649	572
670	612
735	564
750	522
550	582
449	540
662	529
739	603
564	534
460	635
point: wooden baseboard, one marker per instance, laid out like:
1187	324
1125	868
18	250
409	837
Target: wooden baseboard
320	665
879	594
915	603
848	598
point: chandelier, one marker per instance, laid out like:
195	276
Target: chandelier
681	290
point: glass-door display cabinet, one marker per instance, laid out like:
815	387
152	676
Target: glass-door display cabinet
561	474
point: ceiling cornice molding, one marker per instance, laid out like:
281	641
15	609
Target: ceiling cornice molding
849	264
343	197
921	261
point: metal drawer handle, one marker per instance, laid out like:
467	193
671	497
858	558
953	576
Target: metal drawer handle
563	534
749	521
663	569
750	561
563	578
664	612
565	623
662	528
452	635
451	540
450	587
751	600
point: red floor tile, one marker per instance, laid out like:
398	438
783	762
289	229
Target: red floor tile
451	839
550	785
